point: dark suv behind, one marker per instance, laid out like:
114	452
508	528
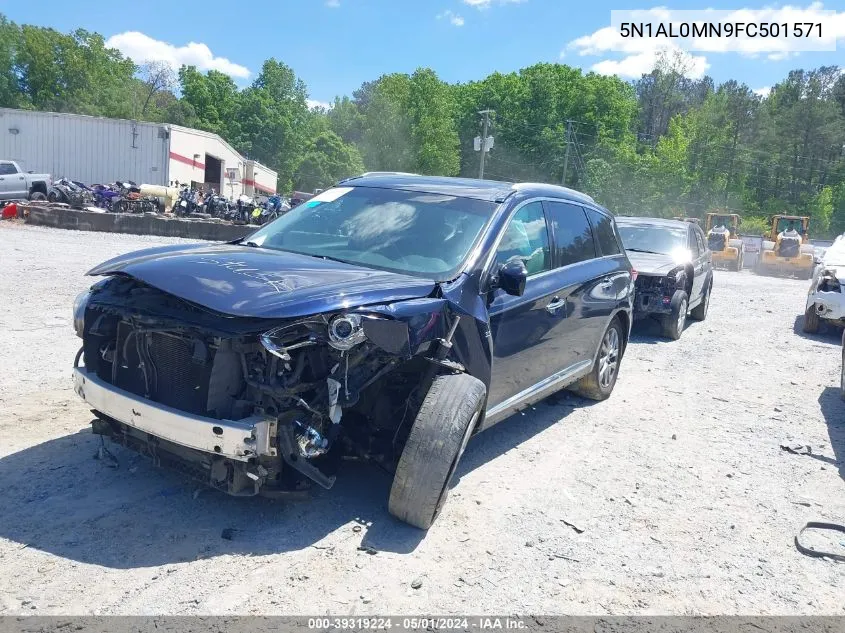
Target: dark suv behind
388	318
674	270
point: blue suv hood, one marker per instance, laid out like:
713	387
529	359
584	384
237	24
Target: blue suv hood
256	282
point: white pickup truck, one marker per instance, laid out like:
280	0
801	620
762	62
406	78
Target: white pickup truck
17	184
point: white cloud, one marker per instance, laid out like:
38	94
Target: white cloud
486	4
639	52
763	92
333	4
142	48
313	104
454	18
634	66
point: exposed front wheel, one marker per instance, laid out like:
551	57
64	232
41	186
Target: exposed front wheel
441	430
811	320
676	320
599	383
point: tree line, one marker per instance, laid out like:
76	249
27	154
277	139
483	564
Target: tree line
663	145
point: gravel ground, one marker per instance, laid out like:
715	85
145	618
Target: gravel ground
672	497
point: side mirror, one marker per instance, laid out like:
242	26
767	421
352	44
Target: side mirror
512	276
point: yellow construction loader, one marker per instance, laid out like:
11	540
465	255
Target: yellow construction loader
723	239
786	248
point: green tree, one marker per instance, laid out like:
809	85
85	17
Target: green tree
432	125
10	34
327	160
386	143
820	210
272	120
346	120
214	99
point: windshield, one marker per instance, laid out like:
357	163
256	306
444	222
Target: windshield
423	234
785	225
653	238
722	220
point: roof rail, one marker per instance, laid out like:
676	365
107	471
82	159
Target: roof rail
378	173
573	193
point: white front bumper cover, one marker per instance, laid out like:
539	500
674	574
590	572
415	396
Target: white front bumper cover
240	440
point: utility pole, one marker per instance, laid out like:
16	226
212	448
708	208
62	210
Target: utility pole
566	154
486	114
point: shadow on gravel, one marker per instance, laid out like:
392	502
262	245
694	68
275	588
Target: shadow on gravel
648	331
519	428
833	410
827	333
59	499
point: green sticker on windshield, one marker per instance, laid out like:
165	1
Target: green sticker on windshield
312	203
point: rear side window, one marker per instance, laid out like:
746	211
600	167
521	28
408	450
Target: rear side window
605	235
527	238
6	169
700	237
695	247
572	233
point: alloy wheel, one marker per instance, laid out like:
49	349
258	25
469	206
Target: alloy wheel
608	357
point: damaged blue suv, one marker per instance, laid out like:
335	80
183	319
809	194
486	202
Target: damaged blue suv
389	318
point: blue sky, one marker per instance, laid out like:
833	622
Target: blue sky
335	45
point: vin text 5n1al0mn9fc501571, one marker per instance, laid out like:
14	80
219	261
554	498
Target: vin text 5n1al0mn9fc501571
674	30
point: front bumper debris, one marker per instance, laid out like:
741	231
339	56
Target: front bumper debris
653	295
828	305
240	440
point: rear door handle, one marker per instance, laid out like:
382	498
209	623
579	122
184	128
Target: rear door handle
554	305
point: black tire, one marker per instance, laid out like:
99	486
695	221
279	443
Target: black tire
811	320
674	322
594	385
441	430
699	313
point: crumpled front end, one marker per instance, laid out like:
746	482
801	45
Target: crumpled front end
653	294
826	296
251	405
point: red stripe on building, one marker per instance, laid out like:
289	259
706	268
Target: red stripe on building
255	185
187	161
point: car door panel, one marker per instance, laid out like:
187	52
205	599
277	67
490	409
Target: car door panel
7	184
519	325
525	331
698	262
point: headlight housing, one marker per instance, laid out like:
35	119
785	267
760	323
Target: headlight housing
346	331
79	305
342	332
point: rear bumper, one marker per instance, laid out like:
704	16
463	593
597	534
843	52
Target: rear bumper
730	254
803	260
240	440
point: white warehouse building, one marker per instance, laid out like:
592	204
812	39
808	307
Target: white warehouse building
100	150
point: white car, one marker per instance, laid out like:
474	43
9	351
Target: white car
825	299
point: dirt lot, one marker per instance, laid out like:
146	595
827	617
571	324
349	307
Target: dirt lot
674	496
